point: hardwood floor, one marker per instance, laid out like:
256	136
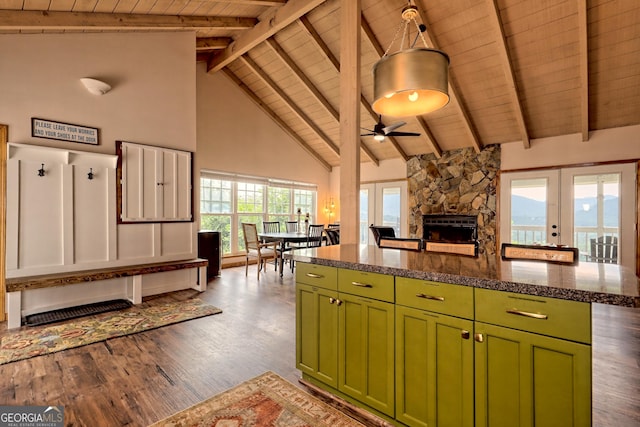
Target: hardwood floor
139	379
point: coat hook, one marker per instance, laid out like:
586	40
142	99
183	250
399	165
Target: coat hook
41	170
90	174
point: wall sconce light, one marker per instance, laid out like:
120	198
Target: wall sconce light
90	174
413	81
41	170
329	208
94	86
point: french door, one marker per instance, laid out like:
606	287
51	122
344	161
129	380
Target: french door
383	203
580	207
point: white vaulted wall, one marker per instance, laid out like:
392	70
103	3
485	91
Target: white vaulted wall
63	221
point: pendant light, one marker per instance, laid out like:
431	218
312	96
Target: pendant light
413	81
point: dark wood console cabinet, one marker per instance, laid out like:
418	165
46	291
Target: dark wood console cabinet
210	248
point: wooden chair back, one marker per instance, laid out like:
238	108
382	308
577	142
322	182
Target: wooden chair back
604	249
271	226
333	235
379	231
292	226
315	235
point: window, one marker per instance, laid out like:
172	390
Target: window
226	201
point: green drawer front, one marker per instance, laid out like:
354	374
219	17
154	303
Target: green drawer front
317	275
569	320
370	285
445	298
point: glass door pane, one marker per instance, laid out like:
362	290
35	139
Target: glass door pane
391	208
364	214
596	218
529	208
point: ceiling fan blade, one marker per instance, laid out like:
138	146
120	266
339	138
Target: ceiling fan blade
368	134
402	134
392	127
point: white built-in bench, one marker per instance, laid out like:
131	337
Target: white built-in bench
17	285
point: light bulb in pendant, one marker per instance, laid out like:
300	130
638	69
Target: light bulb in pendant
413	96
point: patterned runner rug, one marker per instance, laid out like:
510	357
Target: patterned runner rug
265	401
36	341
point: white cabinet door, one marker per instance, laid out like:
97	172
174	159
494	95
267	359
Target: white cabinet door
155	184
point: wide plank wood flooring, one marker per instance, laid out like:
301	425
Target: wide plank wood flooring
142	378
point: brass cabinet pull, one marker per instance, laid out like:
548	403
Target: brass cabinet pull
332	300
478	337
338	302
425	296
362	285
314	276
465	334
527	314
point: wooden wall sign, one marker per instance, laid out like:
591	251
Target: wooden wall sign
41	128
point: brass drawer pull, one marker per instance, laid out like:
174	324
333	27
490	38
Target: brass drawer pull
314	276
362	285
527	314
425	296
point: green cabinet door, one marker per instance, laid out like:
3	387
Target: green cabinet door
530	380
317	333
366	351
434	369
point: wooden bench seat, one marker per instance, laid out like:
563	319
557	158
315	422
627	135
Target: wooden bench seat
16	285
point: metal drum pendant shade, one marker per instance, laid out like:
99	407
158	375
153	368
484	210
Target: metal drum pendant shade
411	82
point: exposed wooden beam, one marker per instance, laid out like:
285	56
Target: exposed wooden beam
250	63
306	82
253	2
336	63
503	51
212	43
41	20
584	69
350	84
453	91
373	41
277	119
277	19
437	151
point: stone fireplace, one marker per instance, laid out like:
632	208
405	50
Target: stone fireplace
461	182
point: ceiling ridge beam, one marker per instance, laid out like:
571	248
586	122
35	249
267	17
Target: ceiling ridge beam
268	111
306	24
250	63
373	41
37	19
583	44
505	59
277	19
291	65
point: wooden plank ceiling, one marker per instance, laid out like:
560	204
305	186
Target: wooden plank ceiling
519	70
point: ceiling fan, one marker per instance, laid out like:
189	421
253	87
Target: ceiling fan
380	131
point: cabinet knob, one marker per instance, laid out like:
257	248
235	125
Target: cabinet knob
465	334
338	302
332	300
478	337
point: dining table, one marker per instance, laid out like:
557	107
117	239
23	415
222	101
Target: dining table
284	238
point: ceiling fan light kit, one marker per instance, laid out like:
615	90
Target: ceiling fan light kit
413	81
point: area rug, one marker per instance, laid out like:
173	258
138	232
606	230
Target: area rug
265	401
39	340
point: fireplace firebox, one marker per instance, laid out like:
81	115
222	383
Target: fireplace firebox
451	233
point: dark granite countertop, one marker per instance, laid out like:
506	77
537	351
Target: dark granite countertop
586	282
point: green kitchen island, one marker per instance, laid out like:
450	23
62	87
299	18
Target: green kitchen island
427	339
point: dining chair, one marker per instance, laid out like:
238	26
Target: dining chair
604	249
333	235
271	226
263	252
292	226
314	238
